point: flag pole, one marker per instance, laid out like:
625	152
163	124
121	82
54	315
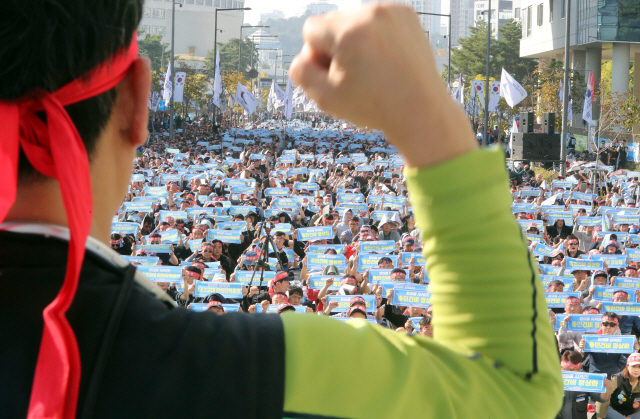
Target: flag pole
565	90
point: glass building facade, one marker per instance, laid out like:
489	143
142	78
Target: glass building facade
608	20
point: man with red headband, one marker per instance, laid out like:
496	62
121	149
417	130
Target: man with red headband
97	340
605	363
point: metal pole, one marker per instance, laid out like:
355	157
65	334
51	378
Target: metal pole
215	48
449	68
488	85
173	70
565	90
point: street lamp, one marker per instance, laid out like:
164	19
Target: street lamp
240	42
215	36
282	60
448	36
173	70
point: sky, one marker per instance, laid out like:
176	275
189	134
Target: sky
297	7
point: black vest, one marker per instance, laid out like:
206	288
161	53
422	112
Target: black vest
579	401
622	399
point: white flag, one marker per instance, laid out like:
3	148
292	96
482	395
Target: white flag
478	87
587	112
511	90
280	96
272	99
178	95
288	101
245	99
494	96
217	81
166	95
460	90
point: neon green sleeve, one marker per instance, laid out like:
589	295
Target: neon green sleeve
493	350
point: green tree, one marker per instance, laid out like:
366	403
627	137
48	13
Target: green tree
289	33
229	58
151	46
195	87
550	77
471	58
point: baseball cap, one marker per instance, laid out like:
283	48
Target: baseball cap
408	241
215	304
633	359
357	300
285	307
250	258
599	273
356	309
282	276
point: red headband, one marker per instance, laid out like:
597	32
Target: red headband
55	149
567	364
609	319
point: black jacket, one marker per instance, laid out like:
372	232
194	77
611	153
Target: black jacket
164	362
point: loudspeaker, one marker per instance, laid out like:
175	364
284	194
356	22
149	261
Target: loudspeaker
526	122
536	147
549	123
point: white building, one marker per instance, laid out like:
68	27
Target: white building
274	15
267	46
599	31
320	7
501	13
462	18
195	22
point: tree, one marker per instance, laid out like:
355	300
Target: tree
151	46
548	92
289	33
229	58
230	80
471	58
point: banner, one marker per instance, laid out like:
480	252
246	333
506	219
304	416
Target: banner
603	293
582	381
273	308
315	233
162	273
244	277
585	323
621	308
630	284
343	300
556	299
370	261
228	308
419	259
227	290
179	93
317	282
321	260
383	246
277	192
217	82
380	275
125	228
142	260
322	248
225	236
405	297
154	248
573	264
609	344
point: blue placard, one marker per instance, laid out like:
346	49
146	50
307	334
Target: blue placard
244	210
419	259
284	203
609	344
556	299
582	381
274	308
621	308
379	215
142	260
277	192
350	197
244	277
225	236
377	276
411	298
370	261
170	236
365	168
630	284
573	264
612	261
322	248
126	228
138	206
589	221
321	259
603	293
162	273
257	156
315	233
306	186
383	246
283	227
227	290
343	300
317	282
154	248
543	250
297	171
233	225
585	323
175	214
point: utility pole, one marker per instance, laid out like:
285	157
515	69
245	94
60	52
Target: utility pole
488	85
566	90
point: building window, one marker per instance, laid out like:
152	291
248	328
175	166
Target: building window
208	2
217	3
159	30
516	13
551	10
147	12
199	2
529	20
524	22
189	1
144	29
562	11
540	11
158	13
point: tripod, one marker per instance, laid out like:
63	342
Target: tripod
264	251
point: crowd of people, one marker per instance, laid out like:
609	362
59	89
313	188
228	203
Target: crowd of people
332	198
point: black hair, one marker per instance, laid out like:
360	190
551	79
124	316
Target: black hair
426	320
55	42
296	290
115	236
611	315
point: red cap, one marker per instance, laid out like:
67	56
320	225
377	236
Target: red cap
215	304
357	300
356	308
633	359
